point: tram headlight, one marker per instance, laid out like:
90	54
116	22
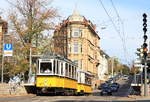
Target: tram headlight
45	80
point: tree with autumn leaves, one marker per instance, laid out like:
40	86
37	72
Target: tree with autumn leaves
118	67
30	23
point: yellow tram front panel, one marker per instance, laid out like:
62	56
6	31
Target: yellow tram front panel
55	81
85	88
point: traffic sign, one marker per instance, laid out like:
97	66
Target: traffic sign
8	46
8	49
137	63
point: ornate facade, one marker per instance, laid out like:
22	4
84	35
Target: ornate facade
76	39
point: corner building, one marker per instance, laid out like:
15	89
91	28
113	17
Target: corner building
76	39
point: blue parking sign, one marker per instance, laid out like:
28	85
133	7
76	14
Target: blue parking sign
8	47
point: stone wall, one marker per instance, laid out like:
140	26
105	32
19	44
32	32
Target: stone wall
12	89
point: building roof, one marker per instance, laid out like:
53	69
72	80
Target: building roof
76	18
103	53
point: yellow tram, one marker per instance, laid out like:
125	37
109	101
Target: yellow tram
58	75
84	82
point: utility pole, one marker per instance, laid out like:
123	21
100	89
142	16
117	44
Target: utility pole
30	66
2	73
145	81
141	75
112	67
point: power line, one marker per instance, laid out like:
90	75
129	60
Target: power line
110	19
123	33
116	10
118	31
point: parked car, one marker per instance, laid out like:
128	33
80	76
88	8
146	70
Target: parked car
114	88
125	77
111	78
109	81
118	85
103	85
106	90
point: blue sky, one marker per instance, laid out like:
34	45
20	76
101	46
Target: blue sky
130	12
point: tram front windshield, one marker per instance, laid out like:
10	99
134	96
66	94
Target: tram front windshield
46	67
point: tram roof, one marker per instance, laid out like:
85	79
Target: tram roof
80	70
57	56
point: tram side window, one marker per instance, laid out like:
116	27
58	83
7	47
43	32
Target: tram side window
57	67
86	79
72	72
61	68
90	80
75	72
38	67
69	70
46	67
79	77
66	69
54	66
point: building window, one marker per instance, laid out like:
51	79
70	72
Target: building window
76	47
76	32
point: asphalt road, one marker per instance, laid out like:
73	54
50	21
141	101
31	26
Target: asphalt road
124	90
71	99
125	87
120	96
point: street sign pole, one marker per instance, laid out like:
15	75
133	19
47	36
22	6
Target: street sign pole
145	79
2	74
6	51
141	75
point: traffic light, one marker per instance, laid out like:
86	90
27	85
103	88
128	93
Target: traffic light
145	50
145	38
144	23
140	52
